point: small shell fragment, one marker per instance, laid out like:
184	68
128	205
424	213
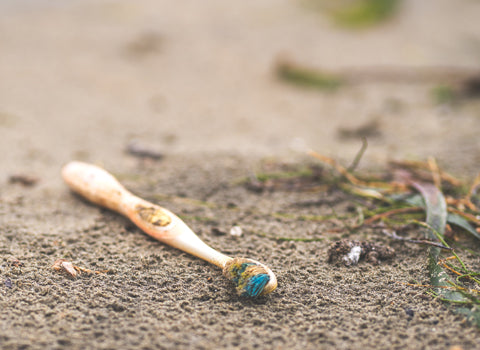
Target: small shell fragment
352	257
64	265
350	252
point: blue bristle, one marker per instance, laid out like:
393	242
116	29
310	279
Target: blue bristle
249	277
255	285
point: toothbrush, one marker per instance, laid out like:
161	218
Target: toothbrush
251	278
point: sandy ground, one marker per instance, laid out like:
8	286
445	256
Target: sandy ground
195	80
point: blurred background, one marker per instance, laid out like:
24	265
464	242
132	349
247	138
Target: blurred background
84	79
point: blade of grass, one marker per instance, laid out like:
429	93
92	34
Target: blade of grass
436	207
358	156
389	186
464	215
436	211
459	221
395	211
307	77
365	13
424	166
454	216
471	192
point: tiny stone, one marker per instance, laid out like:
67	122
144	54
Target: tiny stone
236	231
409	312
217	232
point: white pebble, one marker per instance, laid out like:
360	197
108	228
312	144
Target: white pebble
236	231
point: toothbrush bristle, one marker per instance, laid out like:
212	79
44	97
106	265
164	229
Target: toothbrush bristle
249	277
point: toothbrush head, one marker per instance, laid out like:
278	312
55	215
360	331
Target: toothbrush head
251	278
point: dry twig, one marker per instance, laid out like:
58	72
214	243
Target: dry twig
73	270
393	235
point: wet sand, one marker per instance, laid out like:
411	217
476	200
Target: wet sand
196	82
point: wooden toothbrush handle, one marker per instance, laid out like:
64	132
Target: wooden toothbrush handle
96	185
100	187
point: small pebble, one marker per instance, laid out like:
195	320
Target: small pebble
137	149
23	179
409	312
217	231
236	231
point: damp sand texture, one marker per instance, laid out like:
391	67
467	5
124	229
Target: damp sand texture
154	296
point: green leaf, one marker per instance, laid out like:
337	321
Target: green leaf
459	221
417	200
436	209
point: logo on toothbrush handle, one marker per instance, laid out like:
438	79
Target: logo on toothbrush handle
154	216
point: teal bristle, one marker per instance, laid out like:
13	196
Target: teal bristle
249	277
